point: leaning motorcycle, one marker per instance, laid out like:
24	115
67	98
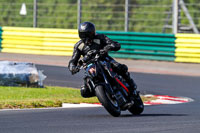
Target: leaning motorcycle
109	87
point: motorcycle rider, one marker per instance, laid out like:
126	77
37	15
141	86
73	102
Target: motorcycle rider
90	41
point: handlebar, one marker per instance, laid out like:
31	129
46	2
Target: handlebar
83	63
92	56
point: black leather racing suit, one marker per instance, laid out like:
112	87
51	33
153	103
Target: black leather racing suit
101	41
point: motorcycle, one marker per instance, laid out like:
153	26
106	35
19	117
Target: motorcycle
109	87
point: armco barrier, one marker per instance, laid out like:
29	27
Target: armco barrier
0	38
39	41
151	46
60	42
187	48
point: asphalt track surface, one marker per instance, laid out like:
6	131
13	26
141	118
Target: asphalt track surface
178	118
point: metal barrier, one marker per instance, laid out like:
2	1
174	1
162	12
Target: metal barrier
134	45
0	37
39	41
151	46
187	48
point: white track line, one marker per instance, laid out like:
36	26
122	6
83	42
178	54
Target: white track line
160	99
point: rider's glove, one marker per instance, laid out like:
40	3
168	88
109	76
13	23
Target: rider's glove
89	55
74	69
105	50
86	58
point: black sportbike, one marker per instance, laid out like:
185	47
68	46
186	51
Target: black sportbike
109	87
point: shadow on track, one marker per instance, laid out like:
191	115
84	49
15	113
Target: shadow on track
130	115
155	115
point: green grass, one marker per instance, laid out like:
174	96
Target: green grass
21	97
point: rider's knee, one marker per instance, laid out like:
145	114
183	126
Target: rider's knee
124	68
119	67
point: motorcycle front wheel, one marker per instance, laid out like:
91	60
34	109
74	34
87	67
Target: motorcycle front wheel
109	102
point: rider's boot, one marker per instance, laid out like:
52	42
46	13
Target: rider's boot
122	70
86	92
133	88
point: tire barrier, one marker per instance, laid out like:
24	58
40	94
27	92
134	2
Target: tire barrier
20	74
150	46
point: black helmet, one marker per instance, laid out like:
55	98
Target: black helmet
86	30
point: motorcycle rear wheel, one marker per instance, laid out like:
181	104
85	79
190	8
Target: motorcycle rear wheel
109	103
138	106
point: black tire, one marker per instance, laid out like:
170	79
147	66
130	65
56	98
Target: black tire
109	103
138	106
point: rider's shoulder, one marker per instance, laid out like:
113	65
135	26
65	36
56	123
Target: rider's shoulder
78	44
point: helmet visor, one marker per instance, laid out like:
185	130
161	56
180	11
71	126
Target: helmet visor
84	35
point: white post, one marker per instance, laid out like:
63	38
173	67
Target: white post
175	16
79	13
35	13
126	15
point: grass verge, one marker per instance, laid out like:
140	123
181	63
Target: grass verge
20	97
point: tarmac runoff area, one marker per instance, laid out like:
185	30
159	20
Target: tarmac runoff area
143	66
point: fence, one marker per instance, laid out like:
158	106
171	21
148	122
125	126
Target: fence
113	15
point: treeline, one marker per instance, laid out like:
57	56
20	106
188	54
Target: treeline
144	15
